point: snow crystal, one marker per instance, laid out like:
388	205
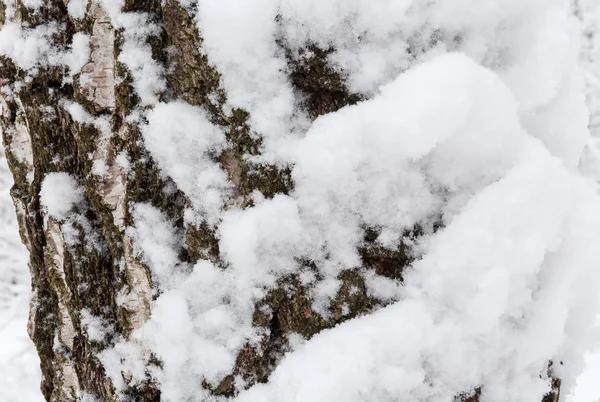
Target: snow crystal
261	239
375	41
475	118
33	4
20	374
95	327
78	113
76	8
154	239
79	54
475	307
29	47
60	192
200	336
180	138
370	165
126	356
245	54
147	74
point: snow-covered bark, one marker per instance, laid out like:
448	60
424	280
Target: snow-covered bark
302	200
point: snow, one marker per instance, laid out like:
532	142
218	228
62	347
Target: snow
76	8
60	192
181	138
389	168
475	308
96	328
587	384
588	11
238	36
28	48
154	241
530	45
480	276
33	4
78	113
260	240
475	116
136	55
472	129
79	54
20	374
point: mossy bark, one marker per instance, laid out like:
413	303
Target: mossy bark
98	273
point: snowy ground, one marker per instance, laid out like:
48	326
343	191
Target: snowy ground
19	364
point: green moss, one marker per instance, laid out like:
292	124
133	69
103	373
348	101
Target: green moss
202	243
286	310
149	6
79	94
147	391
110	232
2	13
89	369
86	25
267	179
90	273
125	96
190	76
471	396
146	185
323	86
352	299
389	263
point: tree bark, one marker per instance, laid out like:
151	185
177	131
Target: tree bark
101	275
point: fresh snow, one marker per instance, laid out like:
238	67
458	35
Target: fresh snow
468	128
244	53
29	48
588	11
475	116
76	8
20	374
475	308
154	241
171	136
147	74
79	54
59	194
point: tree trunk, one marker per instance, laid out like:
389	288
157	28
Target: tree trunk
91	274
86	272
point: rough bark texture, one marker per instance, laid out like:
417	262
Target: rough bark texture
101	275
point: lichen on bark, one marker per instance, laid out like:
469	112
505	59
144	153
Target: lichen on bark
98	271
